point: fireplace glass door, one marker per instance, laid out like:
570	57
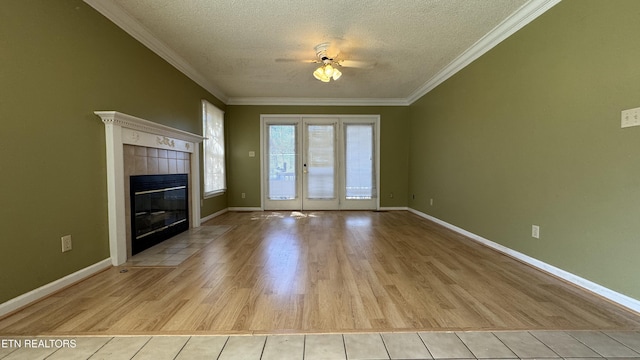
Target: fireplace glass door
159	209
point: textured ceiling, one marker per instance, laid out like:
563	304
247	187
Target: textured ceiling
240	47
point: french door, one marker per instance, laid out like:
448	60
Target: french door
320	162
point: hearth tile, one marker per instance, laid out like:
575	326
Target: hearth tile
177	245
143	262
153	257
186	251
179	257
169	251
169	263
174	251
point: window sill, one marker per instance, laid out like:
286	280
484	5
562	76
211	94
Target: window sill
214	194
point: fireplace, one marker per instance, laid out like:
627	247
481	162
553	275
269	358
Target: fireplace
136	146
159	209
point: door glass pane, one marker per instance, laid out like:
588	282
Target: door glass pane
320	162
281	162
359	172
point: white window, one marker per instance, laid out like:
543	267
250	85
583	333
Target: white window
213	145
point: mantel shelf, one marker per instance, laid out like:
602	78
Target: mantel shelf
135	123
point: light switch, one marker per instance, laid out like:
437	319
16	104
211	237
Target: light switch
252	154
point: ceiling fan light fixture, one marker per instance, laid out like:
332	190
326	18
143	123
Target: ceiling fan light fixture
328	70
320	74
336	74
325	72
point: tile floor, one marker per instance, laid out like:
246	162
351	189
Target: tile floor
174	251
424	345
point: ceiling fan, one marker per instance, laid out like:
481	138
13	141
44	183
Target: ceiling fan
329	64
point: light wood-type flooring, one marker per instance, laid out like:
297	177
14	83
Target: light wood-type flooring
322	272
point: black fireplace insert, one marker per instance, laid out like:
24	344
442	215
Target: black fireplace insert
159	209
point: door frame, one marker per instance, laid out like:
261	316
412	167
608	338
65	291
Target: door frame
288	118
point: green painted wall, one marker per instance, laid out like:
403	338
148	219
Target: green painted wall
60	61
243	127
530	134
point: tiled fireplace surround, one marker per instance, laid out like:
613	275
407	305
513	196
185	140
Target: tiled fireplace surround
142	160
136	146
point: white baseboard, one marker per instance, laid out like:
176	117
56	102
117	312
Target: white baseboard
598	289
215	214
393	208
241	208
48	289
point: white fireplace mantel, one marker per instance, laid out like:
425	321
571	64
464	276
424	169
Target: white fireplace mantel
121	129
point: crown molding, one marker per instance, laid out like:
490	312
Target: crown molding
317	101
519	19
133	27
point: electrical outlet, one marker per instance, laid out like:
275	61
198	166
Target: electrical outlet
66	243
243	195
431	202
630	117
391	195
535	231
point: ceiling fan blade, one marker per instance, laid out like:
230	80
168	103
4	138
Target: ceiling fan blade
297	61
357	64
